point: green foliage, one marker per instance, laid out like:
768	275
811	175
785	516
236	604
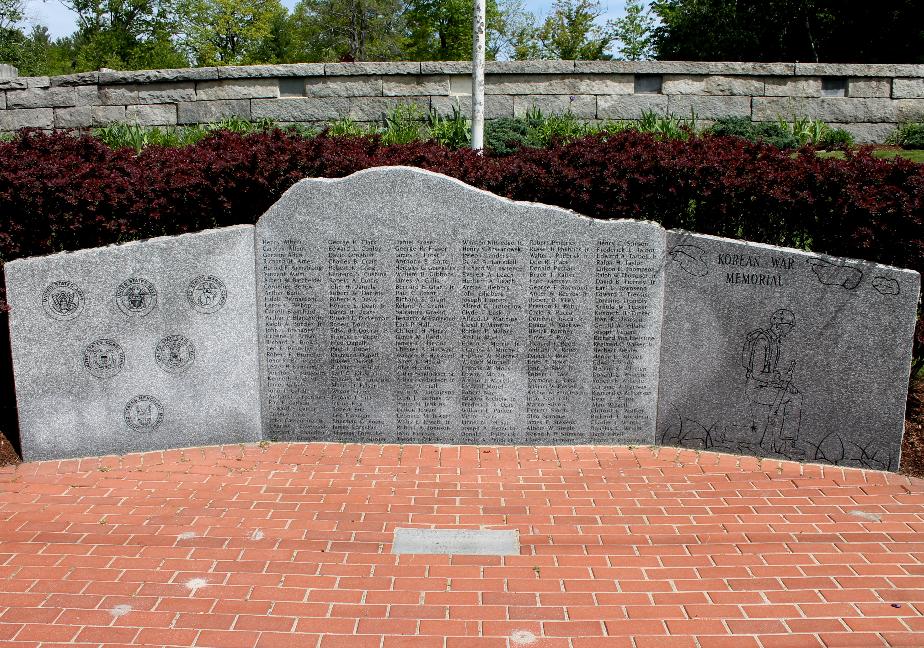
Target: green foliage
126	135
504	136
908	136
634	32
888	31
454	131
442	30
837	138
403	124
572	32
667	126
346	127
784	134
227	32
347	30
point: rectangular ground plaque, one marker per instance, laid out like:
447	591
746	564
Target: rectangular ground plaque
460	542
776	352
136	347
398	305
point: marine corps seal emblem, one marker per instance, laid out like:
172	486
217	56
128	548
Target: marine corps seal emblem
175	353
104	358
144	413
62	300
206	294
136	297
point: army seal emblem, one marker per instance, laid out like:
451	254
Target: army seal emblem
136	297
62	300
104	358
144	413
206	294
175	353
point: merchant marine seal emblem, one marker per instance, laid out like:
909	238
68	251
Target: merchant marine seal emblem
136	297
144	413
62	300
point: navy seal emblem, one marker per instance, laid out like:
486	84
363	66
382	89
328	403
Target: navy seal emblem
206	294
136	297
104	358
144	413
62	300
175	353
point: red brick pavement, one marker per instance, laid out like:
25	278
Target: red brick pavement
288	545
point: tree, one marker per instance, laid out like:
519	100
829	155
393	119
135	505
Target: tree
634	32
442	30
511	32
227	32
124	34
886	31
347	30
572	32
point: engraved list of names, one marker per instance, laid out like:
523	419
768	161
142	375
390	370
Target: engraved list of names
474	340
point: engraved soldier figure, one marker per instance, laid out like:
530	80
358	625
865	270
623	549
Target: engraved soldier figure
774	402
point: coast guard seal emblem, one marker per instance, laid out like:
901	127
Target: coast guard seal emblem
104	358
144	413
175	353
62	300
206	294
136	297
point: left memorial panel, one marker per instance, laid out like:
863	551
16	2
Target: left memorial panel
136	347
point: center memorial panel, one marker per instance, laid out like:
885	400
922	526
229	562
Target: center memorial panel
403	306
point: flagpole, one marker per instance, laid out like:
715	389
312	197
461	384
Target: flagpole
478	53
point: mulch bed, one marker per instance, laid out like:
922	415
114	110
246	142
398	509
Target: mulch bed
8	454
913	442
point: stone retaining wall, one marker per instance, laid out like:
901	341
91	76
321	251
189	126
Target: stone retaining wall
868	100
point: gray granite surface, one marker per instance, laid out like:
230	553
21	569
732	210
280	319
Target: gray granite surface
136	347
400	305
780	353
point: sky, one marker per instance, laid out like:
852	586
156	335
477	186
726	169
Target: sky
60	21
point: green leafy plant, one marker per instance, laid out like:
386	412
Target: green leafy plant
453	131
346	127
837	138
908	136
403	124
667	126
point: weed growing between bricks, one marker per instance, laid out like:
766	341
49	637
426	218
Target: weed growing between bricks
61	192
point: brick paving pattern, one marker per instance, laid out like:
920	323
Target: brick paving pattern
288	545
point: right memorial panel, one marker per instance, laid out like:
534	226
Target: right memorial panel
780	353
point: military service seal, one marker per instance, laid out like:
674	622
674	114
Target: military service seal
175	353
206	294
104	358
62	300
136	297
144	413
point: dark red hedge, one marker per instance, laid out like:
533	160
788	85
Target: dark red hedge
60	192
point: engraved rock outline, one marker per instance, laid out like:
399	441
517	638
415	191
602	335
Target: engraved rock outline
886	285
691	258
836	274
